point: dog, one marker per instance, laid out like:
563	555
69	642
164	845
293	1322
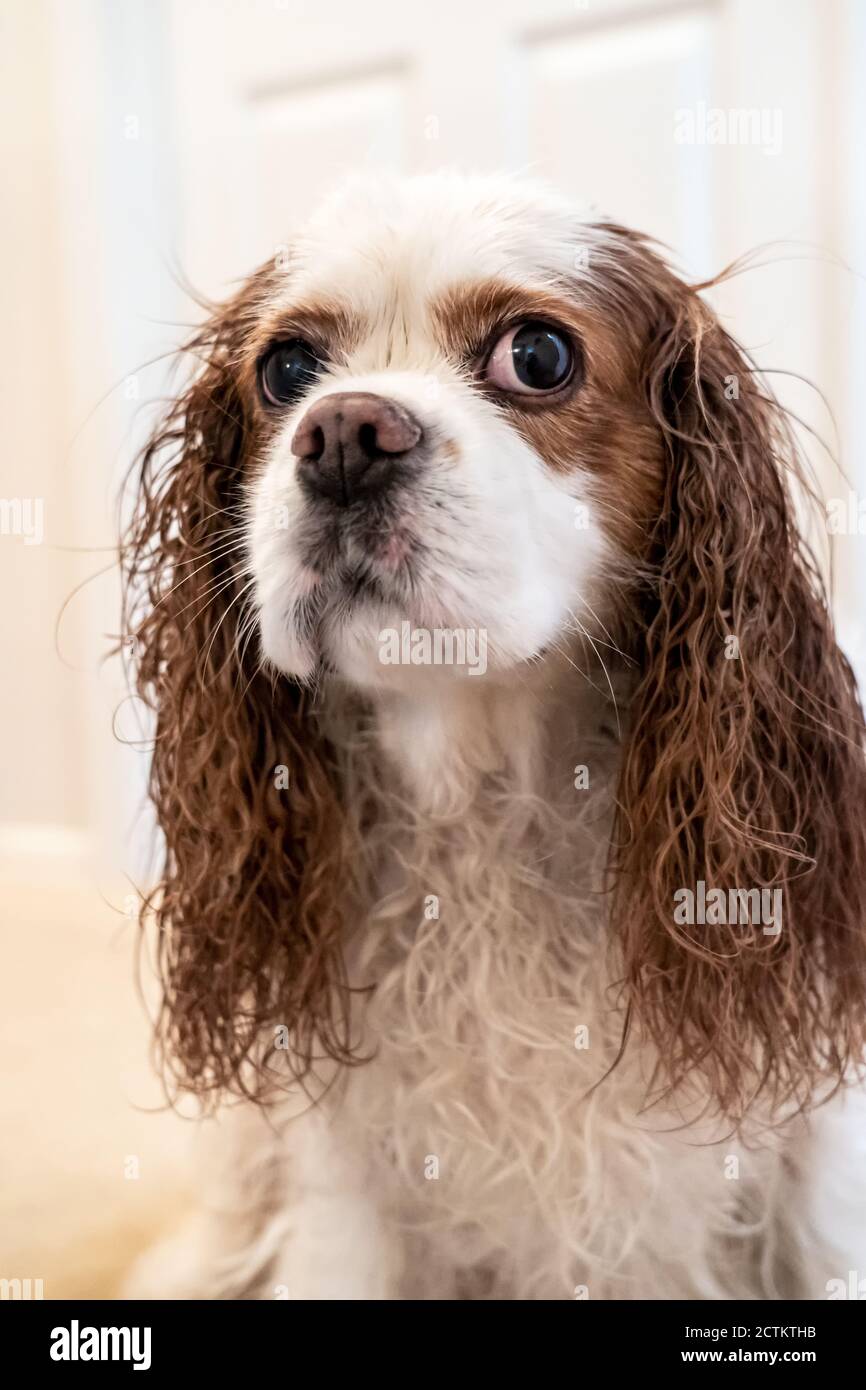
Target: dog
510	778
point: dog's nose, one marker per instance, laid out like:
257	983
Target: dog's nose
348	444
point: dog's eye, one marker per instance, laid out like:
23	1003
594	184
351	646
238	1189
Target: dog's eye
286	370
530	358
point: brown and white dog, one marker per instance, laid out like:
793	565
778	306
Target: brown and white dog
511	780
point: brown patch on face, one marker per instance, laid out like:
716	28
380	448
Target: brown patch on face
324	323
600	426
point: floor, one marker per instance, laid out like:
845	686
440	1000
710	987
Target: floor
93	1165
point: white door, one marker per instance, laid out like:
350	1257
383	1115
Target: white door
680	119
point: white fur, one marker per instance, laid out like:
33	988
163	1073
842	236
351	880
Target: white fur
481	1152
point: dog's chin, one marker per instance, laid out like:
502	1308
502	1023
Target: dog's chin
374	645
396	624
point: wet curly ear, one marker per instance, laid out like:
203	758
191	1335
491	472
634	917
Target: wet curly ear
241	778
744	768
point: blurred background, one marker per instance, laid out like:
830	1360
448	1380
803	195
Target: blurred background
149	145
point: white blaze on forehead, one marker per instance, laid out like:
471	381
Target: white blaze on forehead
383	243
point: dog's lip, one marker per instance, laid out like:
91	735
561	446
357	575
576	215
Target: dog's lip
363	579
387	549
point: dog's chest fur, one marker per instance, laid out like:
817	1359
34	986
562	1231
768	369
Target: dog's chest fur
492	1127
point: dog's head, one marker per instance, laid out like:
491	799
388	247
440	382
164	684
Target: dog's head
443	416
455	406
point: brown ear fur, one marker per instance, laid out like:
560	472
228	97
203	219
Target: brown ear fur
744	772
247	921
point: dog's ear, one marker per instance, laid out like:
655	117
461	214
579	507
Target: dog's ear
241	779
744	767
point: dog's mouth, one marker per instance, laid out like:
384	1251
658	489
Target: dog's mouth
363	554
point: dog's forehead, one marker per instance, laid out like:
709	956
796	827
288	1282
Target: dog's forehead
418	237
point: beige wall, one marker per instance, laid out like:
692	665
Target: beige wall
69	790
41	701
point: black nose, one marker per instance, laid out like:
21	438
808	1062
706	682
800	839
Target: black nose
348	445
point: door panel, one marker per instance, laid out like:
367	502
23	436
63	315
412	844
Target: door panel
601	123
